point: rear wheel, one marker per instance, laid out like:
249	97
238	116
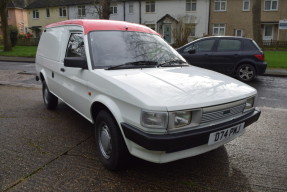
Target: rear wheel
246	72
50	100
110	143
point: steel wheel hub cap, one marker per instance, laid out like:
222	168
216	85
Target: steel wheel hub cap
46	95
105	143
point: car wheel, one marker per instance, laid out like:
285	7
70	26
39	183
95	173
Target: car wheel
246	72
50	100
111	147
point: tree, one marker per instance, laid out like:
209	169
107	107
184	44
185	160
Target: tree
4	25
256	19
183	30
103	8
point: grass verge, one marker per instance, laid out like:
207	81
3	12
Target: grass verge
20	51
276	59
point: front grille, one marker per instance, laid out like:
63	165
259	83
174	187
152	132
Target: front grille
221	114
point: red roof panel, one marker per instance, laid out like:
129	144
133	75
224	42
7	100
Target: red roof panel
104	25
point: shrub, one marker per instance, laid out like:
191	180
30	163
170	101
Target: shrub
13	35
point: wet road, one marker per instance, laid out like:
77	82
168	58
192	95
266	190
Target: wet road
272	91
43	150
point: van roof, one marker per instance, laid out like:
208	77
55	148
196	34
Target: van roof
102	25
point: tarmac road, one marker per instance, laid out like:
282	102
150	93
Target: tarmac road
45	150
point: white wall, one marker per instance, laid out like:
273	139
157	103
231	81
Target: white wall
174	8
177	9
91	12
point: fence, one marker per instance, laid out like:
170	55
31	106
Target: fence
26	42
275	44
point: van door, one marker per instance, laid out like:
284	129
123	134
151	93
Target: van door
74	86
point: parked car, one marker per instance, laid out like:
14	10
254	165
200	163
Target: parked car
234	56
140	94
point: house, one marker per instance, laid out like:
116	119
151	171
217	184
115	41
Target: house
41	13
17	16
234	18
160	15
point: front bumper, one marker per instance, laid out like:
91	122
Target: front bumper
183	140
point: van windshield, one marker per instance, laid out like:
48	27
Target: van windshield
118	48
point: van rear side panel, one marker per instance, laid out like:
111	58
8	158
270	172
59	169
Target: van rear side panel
51	43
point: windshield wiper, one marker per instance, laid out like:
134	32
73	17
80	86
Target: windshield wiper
138	64
173	62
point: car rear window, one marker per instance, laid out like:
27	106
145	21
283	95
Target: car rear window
229	45
251	45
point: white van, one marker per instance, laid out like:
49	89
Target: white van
141	95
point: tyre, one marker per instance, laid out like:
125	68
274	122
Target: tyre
111	147
246	72
50	100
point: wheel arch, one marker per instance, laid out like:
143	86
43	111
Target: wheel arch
105	103
43	75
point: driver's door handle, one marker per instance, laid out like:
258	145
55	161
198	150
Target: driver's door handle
62	69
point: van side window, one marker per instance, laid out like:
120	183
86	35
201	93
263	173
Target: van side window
76	46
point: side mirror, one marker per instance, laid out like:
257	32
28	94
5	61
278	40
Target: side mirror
76	62
192	51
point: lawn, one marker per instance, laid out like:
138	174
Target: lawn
276	59
20	51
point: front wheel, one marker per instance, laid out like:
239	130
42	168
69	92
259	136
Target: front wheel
50	100
246	72
110	143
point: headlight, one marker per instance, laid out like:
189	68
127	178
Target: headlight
182	118
249	103
151	119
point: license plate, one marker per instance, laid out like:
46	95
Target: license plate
224	134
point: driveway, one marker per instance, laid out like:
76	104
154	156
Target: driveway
45	150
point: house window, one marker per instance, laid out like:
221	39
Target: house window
218	29
246	5
190	28
152	26
113	9
131	8
238	32
192	32
36	14
271	5
81	11
150	6
268	32
190	5
47	12
220	5
63	11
